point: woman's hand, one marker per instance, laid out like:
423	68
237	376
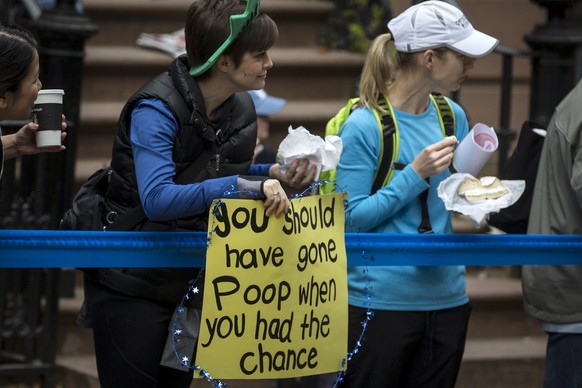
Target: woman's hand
298	176
277	200
23	142
435	158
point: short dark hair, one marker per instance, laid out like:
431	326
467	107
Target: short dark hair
17	51
208	26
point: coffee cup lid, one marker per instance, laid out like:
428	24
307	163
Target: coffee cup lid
51	91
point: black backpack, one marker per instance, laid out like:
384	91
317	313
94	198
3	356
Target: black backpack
521	165
89	212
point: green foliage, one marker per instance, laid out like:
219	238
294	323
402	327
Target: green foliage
355	23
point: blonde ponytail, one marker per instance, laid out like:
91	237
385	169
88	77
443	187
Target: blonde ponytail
379	70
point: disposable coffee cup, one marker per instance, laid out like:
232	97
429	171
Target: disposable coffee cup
475	149
47	113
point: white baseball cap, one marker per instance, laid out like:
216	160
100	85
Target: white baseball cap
436	23
266	105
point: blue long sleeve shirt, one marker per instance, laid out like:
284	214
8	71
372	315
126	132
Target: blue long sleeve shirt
152	134
395	208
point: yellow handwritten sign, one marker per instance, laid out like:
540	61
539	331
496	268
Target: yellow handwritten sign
275	291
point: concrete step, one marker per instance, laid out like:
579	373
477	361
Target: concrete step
497	363
116	66
494	292
518	348
316	84
497	306
505	347
298	73
80	371
303	74
503	363
73	340
120	22
114	73
492	363
98	120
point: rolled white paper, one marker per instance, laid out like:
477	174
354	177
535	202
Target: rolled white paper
475	149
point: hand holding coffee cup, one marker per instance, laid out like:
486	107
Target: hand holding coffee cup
47	113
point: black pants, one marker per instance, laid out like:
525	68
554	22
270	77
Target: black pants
130	334
405	349
564	360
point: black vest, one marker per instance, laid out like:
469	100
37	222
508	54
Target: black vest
231	137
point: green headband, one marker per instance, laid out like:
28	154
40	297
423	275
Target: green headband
238	23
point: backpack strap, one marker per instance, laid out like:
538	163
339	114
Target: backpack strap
446	117
425	227
333	127
447	122
445	113
389	139
390	144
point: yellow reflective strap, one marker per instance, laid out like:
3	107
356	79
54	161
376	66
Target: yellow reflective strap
445	114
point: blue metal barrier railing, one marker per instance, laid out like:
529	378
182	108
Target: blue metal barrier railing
59	249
